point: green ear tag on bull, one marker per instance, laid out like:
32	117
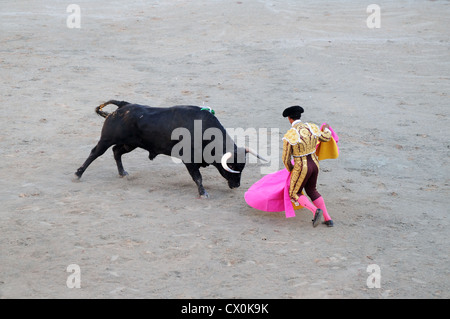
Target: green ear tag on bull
210	110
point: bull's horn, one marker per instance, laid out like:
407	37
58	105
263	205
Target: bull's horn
225	157
249	150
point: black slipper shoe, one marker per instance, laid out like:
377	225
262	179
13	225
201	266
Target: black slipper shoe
317	217
329	223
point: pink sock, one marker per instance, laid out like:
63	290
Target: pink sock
319	202
304	201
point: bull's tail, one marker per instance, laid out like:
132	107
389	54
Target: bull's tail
99	108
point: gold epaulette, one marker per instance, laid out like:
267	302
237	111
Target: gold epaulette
292	136
315	130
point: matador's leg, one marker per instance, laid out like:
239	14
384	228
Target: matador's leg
305	202
320	203
298	175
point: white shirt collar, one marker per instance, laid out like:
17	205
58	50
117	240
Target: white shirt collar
296	122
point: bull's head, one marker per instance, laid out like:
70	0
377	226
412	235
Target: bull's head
233	169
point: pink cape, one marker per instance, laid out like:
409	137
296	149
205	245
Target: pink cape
271	193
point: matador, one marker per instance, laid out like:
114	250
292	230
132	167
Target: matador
299	157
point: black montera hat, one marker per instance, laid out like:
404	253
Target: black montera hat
293	111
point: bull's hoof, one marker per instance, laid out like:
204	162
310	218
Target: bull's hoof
76	178
124	174
204	196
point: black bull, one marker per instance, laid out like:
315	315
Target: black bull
152	128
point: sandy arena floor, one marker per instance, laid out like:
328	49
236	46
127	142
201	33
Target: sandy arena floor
384	90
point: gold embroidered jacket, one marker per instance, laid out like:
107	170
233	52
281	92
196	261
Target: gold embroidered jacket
299	141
